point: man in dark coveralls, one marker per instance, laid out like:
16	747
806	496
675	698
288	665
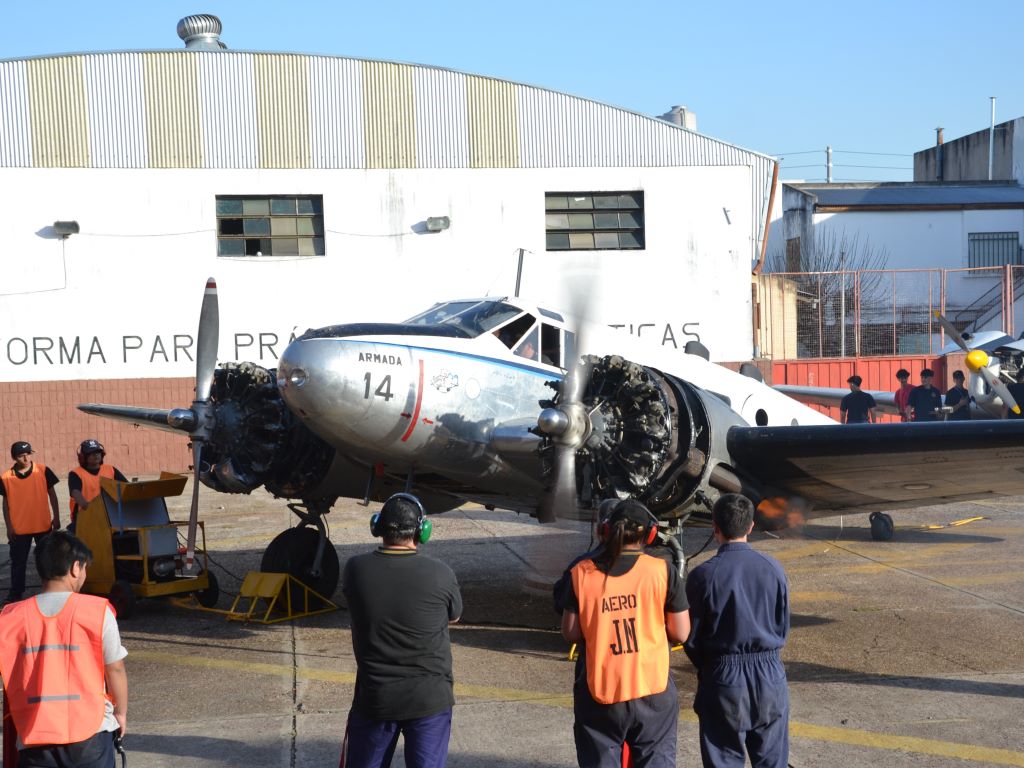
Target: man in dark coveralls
925	400
959	399
739	612
858	407
401	603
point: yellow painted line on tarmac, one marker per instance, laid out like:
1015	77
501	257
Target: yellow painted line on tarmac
807	550
800	730
896	743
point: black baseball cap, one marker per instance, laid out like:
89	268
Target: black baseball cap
401	512
90	446
632	511
19	448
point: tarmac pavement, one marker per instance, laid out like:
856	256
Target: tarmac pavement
901	653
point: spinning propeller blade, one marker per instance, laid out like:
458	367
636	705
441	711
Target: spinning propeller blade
978	361
568	423
206	364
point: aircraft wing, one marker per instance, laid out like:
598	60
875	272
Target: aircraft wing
832	396
867	467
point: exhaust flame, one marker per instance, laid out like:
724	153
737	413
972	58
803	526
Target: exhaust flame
781	512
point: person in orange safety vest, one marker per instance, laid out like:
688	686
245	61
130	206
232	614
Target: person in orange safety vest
84	480
30	508
624	606
62	664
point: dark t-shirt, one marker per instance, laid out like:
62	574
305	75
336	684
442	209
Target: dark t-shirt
51	479
953	397
739	603
924	400
401	602
857	405
75	482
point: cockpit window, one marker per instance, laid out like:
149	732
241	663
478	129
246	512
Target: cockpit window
528	347
474	317
510	334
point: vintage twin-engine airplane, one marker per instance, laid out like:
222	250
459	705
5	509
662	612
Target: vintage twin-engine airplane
487	401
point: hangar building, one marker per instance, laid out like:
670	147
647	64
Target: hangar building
318	190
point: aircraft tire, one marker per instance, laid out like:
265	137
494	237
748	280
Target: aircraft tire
882	527
292	551
122	598
208	597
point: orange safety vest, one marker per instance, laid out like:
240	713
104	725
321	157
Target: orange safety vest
53	669
90	484
623	622
28	500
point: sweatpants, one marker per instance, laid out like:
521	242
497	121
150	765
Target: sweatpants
20	546
647	725
95	752
742	702
371	743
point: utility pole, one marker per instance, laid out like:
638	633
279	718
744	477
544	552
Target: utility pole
991	136
828	163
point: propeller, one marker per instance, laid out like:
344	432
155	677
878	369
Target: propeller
567	424
202	410
977	361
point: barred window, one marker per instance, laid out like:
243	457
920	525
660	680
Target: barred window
278	225
594	220
992	249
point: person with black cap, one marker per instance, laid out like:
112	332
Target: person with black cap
624	607
84	480
902	394
959	399
401	603
925	401
858	407
31	510
739	604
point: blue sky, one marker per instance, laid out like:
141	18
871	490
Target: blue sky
779	78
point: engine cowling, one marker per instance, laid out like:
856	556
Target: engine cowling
653	437
256	441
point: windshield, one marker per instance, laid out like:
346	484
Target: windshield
473	317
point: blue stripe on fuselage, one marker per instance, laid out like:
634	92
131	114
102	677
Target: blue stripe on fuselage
493	360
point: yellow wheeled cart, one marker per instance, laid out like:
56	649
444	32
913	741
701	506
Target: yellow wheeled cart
135	545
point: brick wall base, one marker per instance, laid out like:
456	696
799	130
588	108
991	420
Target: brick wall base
45	414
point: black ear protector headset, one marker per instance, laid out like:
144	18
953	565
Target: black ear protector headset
650	533
424	527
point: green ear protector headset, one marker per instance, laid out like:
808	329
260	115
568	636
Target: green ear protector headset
424	527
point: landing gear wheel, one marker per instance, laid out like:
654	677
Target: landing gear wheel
292	551
208	597
122	598
881	526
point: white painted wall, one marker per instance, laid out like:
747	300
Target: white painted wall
128	287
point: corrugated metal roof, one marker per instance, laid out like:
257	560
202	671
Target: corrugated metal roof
925	195
237	109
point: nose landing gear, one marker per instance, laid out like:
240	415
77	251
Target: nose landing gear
305	552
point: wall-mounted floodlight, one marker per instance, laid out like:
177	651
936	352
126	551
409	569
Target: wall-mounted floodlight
438	223
65	228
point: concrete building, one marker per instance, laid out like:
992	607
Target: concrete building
321	190
967	158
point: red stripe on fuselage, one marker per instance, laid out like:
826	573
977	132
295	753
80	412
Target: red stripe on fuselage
416	410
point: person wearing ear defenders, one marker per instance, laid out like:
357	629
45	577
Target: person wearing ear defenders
623	608
401	603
